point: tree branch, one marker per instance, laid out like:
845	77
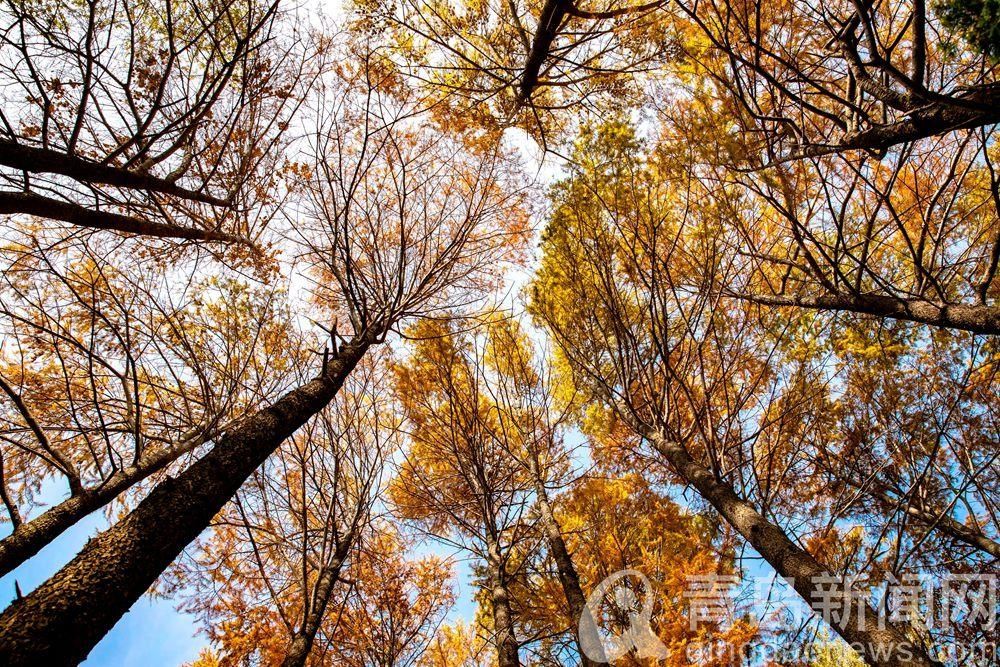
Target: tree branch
42	160
46	207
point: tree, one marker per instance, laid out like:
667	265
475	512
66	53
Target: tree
812	80
456	645
155	118
110	377
531	430
300	563
677	371
880	239
501	64
456	482
401	243
619	523
975	21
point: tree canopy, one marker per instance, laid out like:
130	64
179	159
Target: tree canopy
503	332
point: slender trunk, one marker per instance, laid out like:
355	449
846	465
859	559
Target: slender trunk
977	319
303	640
61	621
31	536
568	576
939	521
880	643
503	617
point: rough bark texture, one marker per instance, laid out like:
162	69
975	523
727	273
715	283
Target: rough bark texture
503	617
61	621
53	209
553	13
887	646
977	319
44	160
569	578
30	537
976	109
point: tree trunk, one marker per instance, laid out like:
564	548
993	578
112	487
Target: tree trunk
44	160
552	14
977	319
503	617
303	640
61	621
885	646
568	576
30	537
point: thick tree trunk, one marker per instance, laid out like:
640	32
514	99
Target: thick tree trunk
981	107
568	576
61	621
549	21
30	537
885	646
977	319
503	617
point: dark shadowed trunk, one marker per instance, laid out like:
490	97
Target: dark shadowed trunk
549	21
44	160
576	601
31	536
61	621
46	207
885	646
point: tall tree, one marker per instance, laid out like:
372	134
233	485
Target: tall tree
621	522
677	370
519	63
299	566
818	79
400	227
456	481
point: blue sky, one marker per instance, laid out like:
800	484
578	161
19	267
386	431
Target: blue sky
152	634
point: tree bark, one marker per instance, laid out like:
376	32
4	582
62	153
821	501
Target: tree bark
885	646
53	209
569	578
48	161
503	617
61	621
975	109
31	536
303	640
977	319
551	18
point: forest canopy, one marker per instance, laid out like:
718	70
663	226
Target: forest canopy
447	333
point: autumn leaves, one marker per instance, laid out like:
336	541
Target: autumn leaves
249	303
